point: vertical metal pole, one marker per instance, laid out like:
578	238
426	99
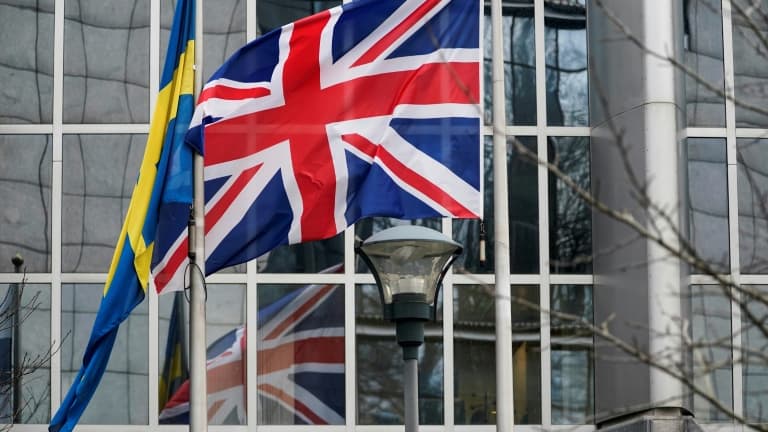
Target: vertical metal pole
411	394
504	401
17	261
198	397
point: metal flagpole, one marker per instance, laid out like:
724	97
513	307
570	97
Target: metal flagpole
504	401
198	394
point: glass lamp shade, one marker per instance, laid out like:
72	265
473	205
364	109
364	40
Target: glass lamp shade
409	259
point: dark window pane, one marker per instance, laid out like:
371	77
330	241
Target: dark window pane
708	200
750	61
106	61
224	31
711	330
301	354
522	180
99	173
25	191
380	366
519	62
271	14
566	57
121	397
753	205
572	355
309	257
26	64
25	351
526	354
474	369
570	218
703	44
755	367
475	354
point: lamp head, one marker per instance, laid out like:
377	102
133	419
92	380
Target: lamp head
409	262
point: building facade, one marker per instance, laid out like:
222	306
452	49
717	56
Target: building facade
655	106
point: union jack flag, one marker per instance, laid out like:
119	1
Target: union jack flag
300	342
367	109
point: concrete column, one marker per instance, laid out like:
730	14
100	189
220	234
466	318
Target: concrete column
636	112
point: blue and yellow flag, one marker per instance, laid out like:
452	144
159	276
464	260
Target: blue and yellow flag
165	177
175	366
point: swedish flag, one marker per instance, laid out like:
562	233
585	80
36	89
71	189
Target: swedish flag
165	177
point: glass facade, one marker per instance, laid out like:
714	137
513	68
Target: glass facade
73	126
725	49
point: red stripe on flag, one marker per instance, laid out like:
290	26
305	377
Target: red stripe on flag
174	262
232	93
213	215
326	350
225	377
387	41
417	181
360	143
214	407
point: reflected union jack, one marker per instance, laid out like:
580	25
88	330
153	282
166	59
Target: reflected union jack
300	343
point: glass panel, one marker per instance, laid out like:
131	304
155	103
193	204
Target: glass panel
475	354
273	14
754	347
26	65
224	31
572	355
310	257
711	328
526	354
301	354
225	335
570	218
703	44
519	62
523	200
750	61
380	365
25	191
99	173
566	57
753	207
25	346
121	397
106	61
708	200
474	342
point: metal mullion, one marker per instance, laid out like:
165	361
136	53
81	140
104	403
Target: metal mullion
448	352
251	350
543	195
251	24
112	129
56	202
568	131
703	132
26	129
733	203
350	365
751	133
153	300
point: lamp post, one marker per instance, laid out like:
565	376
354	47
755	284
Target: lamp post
408	263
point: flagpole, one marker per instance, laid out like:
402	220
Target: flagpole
198	395
504	401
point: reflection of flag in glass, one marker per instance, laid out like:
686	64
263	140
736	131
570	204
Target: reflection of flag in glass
300	346
175	367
